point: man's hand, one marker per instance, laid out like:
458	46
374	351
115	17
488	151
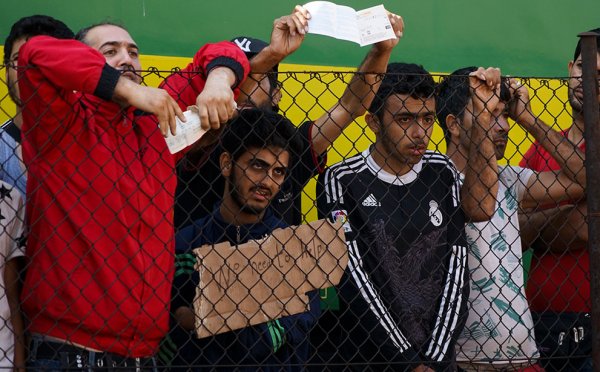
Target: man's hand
398	25
519	108
485	89
289	31
153	100
480	186
186	318
216	105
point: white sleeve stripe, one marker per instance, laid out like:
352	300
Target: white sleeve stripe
333	174
462	268
447	315
340	196
441	332
443	312
333	189
370	295
456	193
435	158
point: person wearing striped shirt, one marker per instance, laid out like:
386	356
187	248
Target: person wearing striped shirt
404	294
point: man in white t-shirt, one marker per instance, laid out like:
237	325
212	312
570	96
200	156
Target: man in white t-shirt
499	332
12	343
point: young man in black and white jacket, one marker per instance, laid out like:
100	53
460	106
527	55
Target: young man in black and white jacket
404	294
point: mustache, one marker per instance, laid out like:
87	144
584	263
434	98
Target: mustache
502	137
128	68
262	190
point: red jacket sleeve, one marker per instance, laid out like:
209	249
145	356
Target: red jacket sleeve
50	70
528	159
186	85
66	64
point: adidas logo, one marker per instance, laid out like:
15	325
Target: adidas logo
370	201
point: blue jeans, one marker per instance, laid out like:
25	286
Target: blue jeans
53	356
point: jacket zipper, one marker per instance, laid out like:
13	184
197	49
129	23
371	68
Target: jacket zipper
238	236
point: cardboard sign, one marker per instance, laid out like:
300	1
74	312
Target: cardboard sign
266	279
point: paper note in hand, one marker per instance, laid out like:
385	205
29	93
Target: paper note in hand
187	133
367	26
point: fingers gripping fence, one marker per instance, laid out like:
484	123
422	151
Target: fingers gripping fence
455	241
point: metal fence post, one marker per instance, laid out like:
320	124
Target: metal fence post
591	117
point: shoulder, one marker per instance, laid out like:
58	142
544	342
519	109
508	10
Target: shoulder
5	134
511	175
10	201
440	162
352	165
432	157
274	222
191	236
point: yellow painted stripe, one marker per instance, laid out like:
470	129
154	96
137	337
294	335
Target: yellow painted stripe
308	96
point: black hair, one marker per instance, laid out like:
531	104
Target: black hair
578	47
256	128
35	25
82	34
273	76
454	93
402	78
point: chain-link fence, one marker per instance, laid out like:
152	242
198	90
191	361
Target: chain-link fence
449	262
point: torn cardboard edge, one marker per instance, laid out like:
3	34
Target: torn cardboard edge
266	279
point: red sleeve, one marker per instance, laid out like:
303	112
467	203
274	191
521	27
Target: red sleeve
184	86
320	161
67	64
531	158
50	70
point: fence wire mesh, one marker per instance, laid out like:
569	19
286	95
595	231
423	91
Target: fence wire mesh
427	281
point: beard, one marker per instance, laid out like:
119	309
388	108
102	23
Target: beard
393	153
238	200
13	92
576	105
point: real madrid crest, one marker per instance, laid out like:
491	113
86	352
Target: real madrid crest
435	215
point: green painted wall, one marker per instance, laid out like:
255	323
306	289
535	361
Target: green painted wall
533	38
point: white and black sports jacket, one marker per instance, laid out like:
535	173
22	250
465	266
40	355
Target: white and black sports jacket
404	294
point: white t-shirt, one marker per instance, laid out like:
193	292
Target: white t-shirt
11	246
499	327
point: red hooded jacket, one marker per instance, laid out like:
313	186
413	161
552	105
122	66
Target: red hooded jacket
100	197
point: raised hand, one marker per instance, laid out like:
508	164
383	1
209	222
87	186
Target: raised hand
398	25
485	89
215	104
289	31
519	108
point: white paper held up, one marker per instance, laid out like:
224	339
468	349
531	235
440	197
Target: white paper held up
187	133
364	27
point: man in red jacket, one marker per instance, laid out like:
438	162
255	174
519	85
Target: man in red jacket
100	192
559	282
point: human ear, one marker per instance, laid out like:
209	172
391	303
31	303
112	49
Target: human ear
225	164
373	122
276	96
453	125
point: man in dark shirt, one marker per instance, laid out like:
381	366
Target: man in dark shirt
404	294
254	162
